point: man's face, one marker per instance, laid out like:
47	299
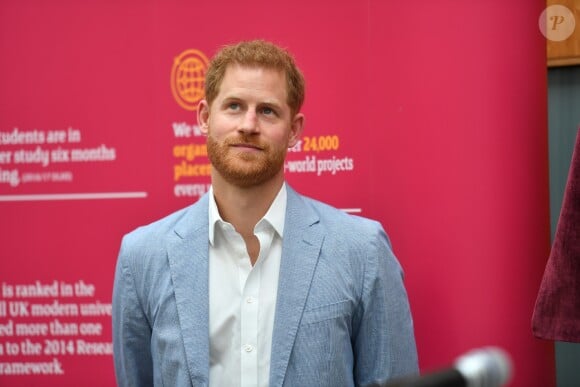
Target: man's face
249	126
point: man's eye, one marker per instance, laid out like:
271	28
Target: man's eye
234	106
268	111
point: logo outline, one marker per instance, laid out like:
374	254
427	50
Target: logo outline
188	78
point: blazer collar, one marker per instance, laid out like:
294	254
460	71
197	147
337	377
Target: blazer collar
188	255
301	245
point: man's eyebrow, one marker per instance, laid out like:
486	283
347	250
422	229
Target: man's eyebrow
231	97
271	103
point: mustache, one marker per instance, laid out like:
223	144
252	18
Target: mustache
245	140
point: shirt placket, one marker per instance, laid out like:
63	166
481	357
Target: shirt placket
249	329
250	306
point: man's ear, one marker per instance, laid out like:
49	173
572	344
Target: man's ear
296	129
203	116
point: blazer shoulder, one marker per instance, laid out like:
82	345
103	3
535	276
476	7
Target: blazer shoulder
189	218
157	229
334	218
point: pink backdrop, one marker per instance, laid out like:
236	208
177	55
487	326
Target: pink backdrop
428	116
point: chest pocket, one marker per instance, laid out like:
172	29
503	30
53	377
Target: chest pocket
326	312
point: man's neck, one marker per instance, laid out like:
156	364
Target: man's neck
244	207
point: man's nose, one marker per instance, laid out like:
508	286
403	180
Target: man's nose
249	122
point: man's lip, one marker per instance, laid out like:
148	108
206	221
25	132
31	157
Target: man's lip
246	145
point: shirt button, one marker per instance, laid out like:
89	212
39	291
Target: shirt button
250	300
248	348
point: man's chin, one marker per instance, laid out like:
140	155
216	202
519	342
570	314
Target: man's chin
242	181
247	178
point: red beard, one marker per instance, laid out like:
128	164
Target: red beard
245	169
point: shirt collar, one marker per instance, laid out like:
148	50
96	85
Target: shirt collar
275	215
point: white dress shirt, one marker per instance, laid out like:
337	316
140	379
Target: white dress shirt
242	298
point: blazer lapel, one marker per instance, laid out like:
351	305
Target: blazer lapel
188	251
300	251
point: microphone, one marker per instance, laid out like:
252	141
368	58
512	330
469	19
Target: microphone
485	367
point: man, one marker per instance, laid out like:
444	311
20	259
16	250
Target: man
256	285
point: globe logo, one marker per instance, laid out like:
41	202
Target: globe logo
188	78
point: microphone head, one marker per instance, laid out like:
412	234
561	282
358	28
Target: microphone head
485	367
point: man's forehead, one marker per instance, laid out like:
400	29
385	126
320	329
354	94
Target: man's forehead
253	66
232	74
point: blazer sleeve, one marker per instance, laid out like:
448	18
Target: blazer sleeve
131	328
384	341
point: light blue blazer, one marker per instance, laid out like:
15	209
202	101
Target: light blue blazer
342	314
